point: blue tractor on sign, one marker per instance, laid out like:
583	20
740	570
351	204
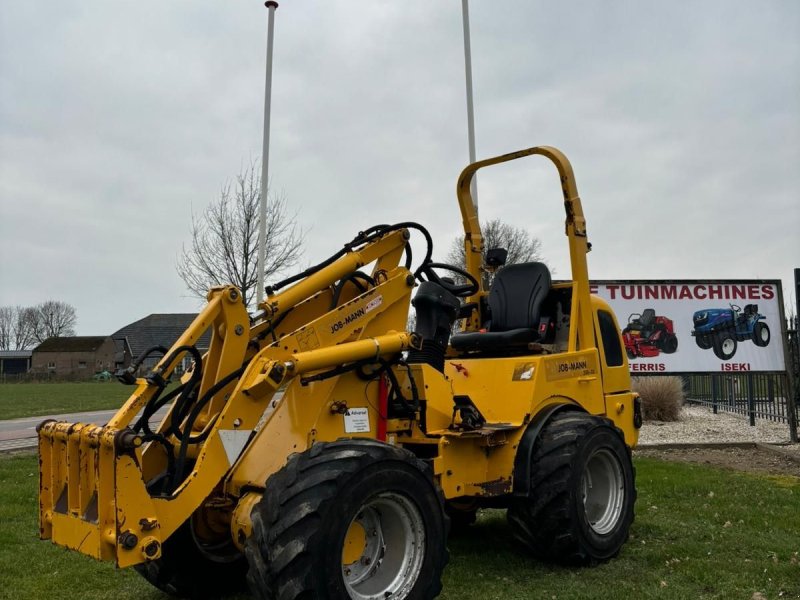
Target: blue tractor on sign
722	328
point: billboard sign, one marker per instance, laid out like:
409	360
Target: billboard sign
698	326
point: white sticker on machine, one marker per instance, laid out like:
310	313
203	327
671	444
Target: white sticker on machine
356	420
374	303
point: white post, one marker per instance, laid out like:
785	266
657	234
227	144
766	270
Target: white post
470	112
262	224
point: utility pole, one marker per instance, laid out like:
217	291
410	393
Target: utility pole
262	223
470	113
794	367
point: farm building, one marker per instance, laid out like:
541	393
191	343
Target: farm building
73	357
14	362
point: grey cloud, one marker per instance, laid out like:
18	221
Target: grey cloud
118	119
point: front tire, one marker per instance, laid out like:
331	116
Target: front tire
187	569
580	506
724	346
670	344
352	518
703	341
462	514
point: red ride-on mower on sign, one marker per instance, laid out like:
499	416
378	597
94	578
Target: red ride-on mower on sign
647	335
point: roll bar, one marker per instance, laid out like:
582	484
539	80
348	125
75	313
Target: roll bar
575	225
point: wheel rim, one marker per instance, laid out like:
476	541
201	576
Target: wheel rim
727	346
603	487
385	547
764	334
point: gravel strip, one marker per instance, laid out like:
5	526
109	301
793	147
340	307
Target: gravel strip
698	425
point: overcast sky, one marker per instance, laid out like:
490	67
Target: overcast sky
118	119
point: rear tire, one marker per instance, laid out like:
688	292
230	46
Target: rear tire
353	518
580	507
761	334
185	571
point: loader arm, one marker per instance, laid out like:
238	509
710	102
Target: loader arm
119	491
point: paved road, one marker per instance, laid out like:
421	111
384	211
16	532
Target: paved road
16	434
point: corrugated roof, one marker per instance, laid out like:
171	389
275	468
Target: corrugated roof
16	353
71	344
157	330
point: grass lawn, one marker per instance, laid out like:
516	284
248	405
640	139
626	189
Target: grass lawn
35	399
700	532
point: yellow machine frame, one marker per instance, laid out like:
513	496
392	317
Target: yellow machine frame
272	388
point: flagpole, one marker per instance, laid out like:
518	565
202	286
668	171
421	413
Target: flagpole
470	111
262	223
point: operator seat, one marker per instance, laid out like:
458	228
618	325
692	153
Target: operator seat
644	323
648	318
515	301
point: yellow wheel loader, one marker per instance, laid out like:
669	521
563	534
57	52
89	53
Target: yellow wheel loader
317	449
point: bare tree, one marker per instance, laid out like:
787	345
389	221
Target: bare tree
51	319
6	327
224	247
25	324
21	327
521	245
17	327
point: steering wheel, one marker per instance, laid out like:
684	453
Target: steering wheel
458	290
736	308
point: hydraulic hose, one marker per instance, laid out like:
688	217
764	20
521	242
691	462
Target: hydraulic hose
184	391
140	359
364	237
352	278
185	437
152	407
395	390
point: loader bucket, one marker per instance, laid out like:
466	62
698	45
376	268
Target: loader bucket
90	488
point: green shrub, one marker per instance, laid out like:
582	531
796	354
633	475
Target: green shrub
662	397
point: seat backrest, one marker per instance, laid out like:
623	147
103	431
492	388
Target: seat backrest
516	296
648	317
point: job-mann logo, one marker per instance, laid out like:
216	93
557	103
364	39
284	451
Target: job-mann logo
575	365
353	316
564	369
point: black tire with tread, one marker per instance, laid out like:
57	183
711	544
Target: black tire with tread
703	341
462	516
758	331
307	508
551	521
670	344
717	343
184	571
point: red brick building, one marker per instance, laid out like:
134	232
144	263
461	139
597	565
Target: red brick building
74	357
